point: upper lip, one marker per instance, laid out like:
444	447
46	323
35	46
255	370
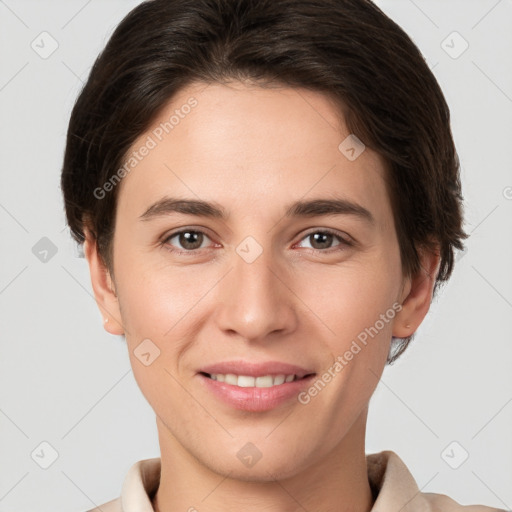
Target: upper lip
253	369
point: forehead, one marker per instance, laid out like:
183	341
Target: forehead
247	146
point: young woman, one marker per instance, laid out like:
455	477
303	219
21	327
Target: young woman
268	196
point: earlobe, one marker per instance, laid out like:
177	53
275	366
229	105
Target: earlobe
417	301
103	288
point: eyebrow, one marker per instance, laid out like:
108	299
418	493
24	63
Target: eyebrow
311	208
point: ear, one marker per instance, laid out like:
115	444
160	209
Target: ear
102	285
417	294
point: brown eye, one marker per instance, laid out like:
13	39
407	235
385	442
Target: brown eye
322	240
189	240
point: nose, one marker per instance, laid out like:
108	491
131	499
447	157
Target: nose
256	300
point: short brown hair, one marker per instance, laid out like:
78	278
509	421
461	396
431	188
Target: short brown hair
347	49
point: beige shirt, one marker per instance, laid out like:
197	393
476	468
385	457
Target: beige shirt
390	480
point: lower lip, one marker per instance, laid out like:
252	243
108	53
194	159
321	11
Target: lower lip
255	399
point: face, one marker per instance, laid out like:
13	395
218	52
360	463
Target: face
244	277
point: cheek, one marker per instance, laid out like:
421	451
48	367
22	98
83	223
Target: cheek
351	297
166	305
155	307
156	296
358	307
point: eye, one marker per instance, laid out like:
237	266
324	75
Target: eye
320	240
190	240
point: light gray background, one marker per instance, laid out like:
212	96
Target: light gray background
66	382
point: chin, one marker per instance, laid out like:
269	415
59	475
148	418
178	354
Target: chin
262	471
248	463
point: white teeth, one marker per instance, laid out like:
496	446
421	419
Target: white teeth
264	382
278	379
231	379
246	381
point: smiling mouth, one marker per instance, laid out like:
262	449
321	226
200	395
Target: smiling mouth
248	381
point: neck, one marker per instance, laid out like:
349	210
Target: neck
338	482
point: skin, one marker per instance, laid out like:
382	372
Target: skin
254	151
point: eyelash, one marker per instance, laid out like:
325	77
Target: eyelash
344	242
